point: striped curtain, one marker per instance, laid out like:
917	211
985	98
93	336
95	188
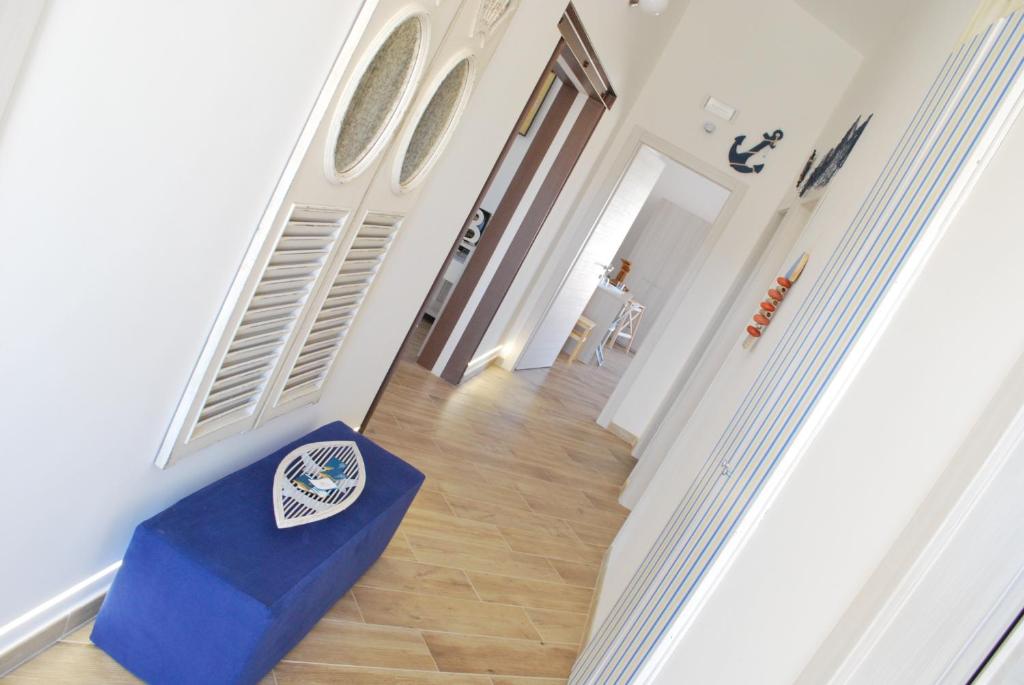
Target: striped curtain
970	100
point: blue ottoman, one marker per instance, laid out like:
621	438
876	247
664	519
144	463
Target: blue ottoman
211	591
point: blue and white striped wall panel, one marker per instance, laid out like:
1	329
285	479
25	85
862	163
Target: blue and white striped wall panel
975	94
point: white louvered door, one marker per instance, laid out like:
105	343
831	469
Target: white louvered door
473	35
294	305
328	320
228	393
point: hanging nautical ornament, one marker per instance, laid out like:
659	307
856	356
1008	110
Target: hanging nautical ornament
833	160
770	306
752	161
807	168
316	481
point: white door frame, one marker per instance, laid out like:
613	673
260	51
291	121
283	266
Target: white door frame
579	238
736	190
1007	661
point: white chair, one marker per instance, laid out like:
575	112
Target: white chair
626	325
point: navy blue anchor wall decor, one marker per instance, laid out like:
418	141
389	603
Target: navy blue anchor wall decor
740	160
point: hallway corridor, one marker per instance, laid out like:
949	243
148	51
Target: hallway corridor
490	578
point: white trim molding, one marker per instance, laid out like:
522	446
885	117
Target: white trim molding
43	625
482	362
19	21
963	590
954	580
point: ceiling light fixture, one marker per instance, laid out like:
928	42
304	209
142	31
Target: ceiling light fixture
654	7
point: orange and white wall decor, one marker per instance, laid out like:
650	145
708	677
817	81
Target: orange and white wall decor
776	294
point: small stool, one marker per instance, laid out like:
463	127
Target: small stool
580	332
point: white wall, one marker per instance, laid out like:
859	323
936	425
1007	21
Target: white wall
683	186
817	68
799	73
690	388
892	433
136	160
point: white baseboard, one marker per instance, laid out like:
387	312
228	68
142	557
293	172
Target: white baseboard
39	628
623	434
481	363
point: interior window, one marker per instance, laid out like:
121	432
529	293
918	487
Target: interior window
436	120
375	101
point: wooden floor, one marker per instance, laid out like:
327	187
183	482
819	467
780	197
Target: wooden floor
490	577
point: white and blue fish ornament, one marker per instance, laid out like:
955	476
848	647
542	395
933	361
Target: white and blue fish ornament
316	481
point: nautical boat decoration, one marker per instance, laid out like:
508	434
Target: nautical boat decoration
752	161
775	296
316	481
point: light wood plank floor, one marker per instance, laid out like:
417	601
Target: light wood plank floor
491	575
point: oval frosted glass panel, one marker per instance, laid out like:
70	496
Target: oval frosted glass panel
376	98
435	121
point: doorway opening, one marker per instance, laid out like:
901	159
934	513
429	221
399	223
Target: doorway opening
771	254
646	245
568	101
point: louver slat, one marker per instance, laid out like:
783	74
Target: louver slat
246	356
301	254
310	362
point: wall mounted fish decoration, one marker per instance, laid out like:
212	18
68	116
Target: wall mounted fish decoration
316	481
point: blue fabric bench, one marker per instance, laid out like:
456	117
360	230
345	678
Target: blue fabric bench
211	591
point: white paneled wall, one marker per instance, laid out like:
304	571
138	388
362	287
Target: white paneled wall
660	246
622	210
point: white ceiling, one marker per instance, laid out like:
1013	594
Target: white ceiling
686	188
861	23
